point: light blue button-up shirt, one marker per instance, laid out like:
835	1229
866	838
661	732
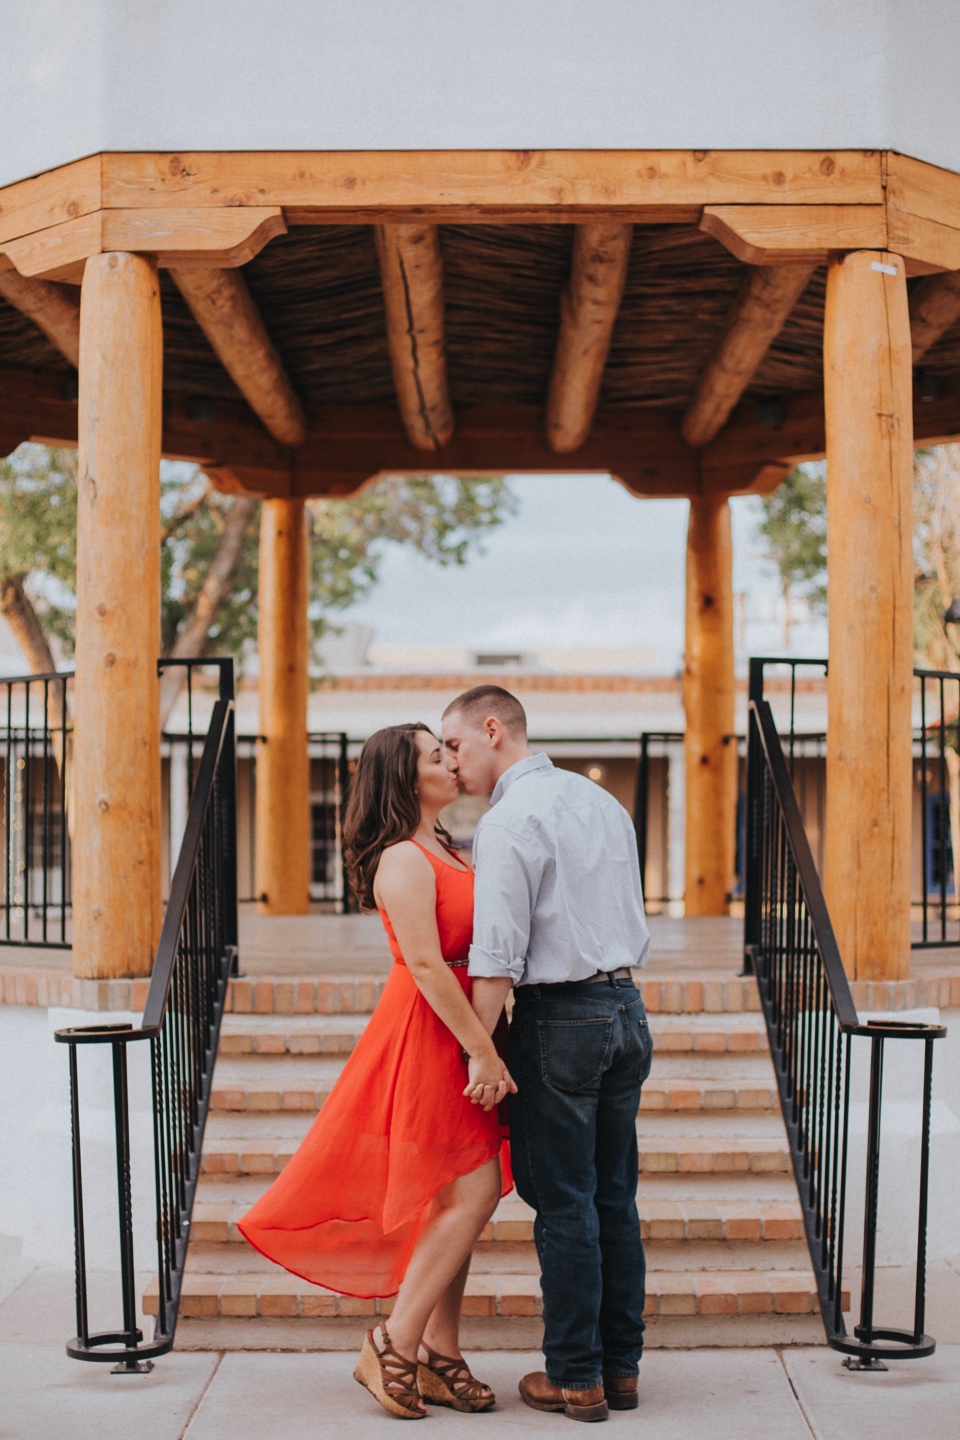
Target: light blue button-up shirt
558	893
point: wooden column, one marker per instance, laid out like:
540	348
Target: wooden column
283	765
116	839
869	433
708	697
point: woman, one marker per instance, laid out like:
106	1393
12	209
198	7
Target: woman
404	1165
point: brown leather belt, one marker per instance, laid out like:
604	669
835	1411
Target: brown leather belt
624	973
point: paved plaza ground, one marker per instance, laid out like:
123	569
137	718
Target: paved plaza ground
757	1394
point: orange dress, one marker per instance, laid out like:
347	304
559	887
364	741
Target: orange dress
347	1210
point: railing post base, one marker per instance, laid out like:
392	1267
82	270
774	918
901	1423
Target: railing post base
863	1362
132	1367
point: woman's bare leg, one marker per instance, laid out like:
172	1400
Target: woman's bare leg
440	1262
442	1330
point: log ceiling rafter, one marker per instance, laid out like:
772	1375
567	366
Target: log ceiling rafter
53	308
766	299
589	306
221	303
934	308
411	273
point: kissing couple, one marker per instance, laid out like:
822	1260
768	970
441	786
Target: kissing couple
407	1160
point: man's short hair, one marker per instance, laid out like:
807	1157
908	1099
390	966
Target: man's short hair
484	700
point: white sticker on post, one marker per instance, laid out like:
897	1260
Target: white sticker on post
884	269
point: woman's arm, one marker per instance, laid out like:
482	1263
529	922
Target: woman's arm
406	888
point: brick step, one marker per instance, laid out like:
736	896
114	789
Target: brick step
337	1035
308	1094
669	1155
346	994
703	1220
714	1293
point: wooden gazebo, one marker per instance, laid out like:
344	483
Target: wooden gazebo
692	322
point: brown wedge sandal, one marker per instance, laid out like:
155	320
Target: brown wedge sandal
446	1381
389	1377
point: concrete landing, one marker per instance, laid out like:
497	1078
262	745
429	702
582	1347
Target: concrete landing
794	1394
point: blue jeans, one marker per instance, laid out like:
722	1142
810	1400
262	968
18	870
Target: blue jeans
580	1059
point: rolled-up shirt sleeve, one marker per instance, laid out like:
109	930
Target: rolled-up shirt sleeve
508	878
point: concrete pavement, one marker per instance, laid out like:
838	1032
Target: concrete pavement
793	1394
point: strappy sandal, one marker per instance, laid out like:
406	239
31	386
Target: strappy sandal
389	1377
446	1381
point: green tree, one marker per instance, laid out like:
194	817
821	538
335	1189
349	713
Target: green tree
209	549
794	530
936	554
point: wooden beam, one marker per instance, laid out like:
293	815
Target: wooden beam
223	307
934	308
117	902
411	272
774	234
459	185
765	301
710	751
54	309
347	445
867	378
227	236
588	312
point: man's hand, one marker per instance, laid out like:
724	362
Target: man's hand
488	1080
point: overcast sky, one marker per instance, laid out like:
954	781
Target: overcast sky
582	563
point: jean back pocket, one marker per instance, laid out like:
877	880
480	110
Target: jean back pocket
572	1052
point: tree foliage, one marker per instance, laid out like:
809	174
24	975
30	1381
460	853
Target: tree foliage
441	517
936	554
794	529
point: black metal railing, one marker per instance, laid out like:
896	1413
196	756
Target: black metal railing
181	1023
658	762
936	748
36	734
812	1023
660	829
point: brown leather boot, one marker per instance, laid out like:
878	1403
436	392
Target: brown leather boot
621	1391
537	1392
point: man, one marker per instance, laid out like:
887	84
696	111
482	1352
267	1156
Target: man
559	915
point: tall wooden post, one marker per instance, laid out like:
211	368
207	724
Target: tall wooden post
283	764
869	424
116	837
708	697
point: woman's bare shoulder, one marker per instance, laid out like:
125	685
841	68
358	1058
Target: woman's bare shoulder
403	864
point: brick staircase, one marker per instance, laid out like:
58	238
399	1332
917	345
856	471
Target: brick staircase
727	1263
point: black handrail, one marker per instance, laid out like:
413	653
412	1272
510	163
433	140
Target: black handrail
181	1022
811	1021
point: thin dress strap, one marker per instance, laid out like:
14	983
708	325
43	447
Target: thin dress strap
461	864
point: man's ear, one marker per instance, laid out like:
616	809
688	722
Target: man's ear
494	730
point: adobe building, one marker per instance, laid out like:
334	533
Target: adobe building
688	247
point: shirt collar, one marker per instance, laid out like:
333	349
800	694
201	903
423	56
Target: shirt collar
526	766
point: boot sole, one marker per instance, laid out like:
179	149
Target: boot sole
623	1402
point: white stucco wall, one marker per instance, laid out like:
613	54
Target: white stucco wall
85	75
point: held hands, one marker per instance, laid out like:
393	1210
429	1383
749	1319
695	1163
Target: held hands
489	1081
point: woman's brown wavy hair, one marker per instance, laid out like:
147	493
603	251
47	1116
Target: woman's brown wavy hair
383	807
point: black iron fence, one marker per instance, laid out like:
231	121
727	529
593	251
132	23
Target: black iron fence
937	787
181	1023
36	735
812	1024
329	786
